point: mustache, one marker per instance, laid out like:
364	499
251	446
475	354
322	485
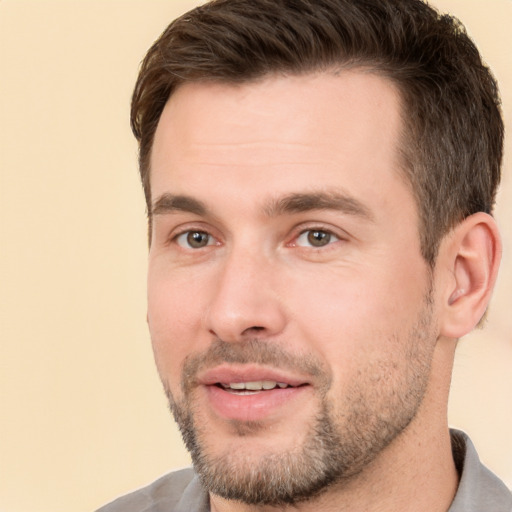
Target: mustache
252	351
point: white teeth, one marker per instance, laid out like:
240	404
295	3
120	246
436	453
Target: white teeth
237	385
257	385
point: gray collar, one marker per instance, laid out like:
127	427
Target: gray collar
479	490
195	498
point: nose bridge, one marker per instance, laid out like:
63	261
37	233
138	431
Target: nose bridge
245	300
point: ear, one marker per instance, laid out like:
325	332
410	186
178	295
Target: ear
469	258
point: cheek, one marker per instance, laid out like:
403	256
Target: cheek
173	323
350	315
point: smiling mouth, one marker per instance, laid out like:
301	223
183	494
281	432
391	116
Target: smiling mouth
234	396
253	387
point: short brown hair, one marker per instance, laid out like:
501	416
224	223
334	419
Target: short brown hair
453	129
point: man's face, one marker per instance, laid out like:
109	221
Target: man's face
288	304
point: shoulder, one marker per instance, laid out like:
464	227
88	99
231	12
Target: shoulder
169	493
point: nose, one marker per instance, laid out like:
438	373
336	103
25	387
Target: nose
246	302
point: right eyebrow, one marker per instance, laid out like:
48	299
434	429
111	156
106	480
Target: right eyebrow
169	203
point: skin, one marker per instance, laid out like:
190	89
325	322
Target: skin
356	307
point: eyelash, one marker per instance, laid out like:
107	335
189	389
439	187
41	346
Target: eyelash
328	235
183	239
187	233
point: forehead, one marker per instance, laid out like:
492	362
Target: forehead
314	129
318	104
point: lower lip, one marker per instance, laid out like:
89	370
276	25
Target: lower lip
254	407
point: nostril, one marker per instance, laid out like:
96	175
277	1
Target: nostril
254	328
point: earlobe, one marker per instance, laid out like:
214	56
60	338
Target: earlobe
471	256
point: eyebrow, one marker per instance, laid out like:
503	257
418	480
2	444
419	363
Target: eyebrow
169	203
289	204
304	202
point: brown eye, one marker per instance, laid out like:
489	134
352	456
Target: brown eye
318	238
194	239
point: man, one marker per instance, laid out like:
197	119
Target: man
319	177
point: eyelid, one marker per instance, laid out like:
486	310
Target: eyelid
337	234
333	238
190	227
184	243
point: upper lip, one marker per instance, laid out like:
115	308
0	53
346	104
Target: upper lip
248	373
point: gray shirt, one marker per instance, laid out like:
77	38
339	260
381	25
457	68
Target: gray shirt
181	491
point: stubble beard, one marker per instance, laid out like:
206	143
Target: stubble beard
339	443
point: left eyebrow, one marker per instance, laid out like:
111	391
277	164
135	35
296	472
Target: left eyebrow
304	202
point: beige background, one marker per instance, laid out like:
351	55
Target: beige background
82	415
